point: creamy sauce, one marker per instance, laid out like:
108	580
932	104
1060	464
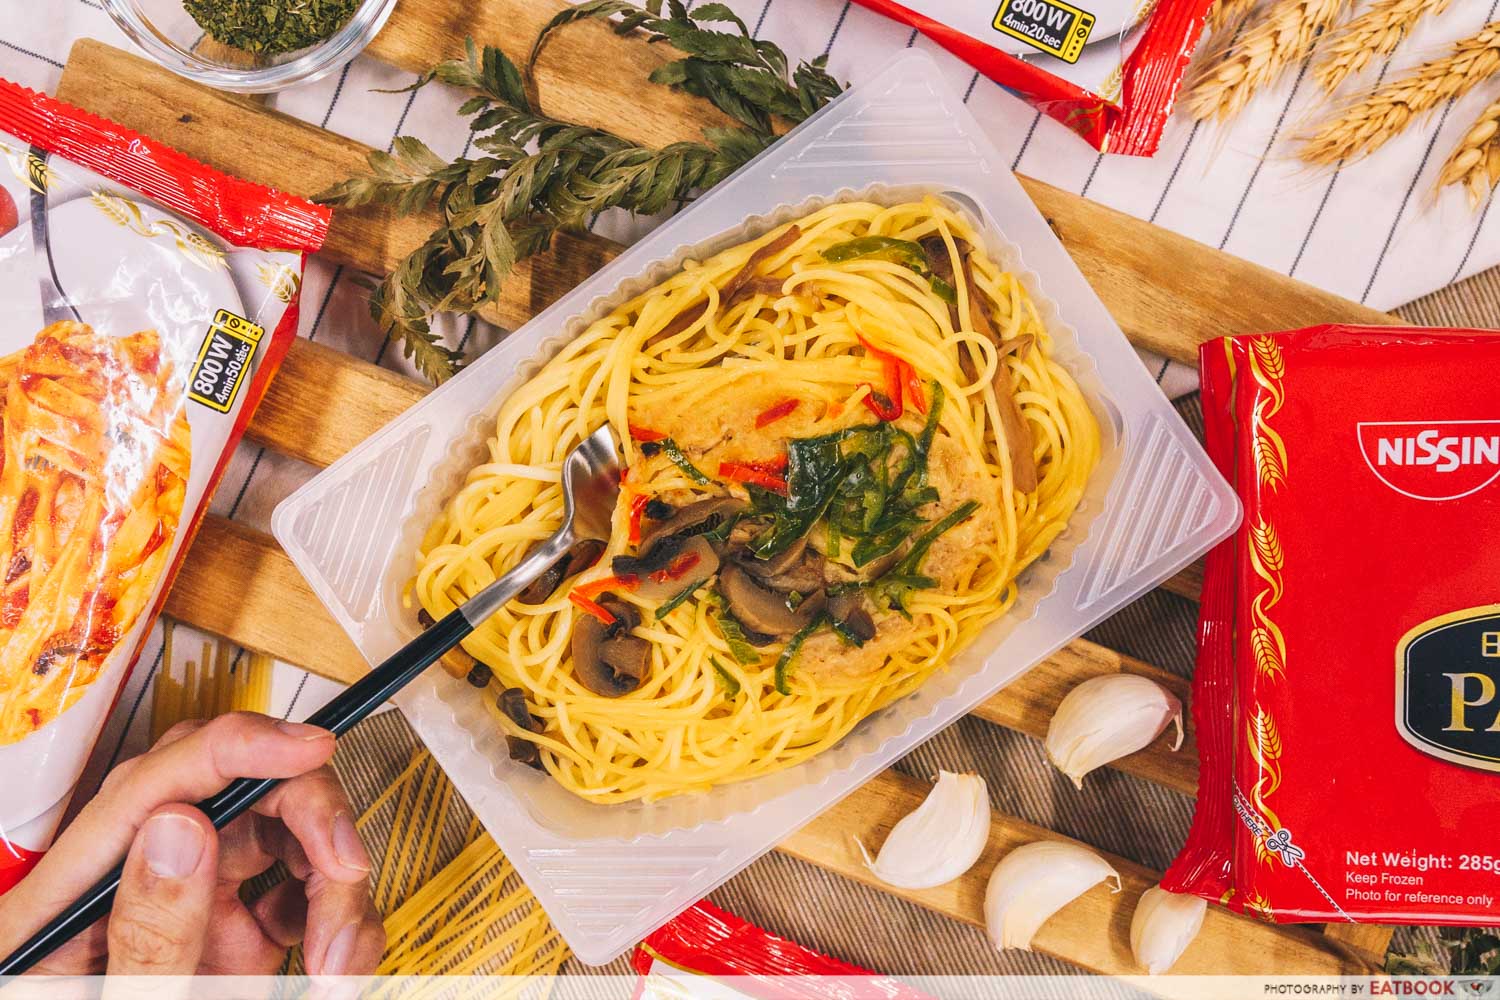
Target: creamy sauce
722	428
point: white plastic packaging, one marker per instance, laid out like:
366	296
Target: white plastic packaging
609	874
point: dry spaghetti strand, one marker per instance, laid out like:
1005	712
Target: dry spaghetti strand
223	679
469	916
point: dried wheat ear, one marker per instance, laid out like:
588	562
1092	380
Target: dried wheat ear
1229	12
1372	35
1475	161
1233	71
1372	120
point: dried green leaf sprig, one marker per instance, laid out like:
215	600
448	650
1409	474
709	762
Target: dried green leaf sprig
744	77
539	174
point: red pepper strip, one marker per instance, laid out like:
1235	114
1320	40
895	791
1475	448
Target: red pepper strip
914	389
742	473
637	509
882	405
597	587
589	607
775	413
645	434
886	405
772	465
676	567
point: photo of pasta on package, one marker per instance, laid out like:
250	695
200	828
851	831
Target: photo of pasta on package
145	302
96	458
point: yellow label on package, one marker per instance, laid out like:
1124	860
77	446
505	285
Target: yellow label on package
1056	28
224	360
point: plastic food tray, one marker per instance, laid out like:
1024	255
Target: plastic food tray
608	875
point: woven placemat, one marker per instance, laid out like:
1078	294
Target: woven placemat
1114	811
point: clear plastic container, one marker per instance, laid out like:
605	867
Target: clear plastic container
166	32
608	875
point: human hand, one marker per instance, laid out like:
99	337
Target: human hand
178	910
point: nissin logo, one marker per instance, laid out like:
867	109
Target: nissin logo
1433	460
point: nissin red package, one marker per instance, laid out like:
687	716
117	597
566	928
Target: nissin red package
145	301
1107	69
1347	693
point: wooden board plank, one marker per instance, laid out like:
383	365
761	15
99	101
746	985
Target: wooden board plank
1168	293
241	136
1369	940
236	582
1092	931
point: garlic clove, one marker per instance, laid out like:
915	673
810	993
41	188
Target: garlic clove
1163	926
1106	718
1033	882
940	839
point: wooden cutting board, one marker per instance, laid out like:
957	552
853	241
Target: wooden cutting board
237	583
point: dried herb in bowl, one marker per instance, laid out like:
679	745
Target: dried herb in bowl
270	27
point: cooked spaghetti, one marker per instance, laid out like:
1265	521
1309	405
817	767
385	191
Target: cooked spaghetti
92	480
844	442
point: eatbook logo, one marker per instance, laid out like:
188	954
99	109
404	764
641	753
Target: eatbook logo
1432	459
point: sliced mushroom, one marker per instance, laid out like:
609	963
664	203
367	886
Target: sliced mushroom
512	702
763	285
626	616
669	567
607	659
802	573
762	610
848	610
779	563
628	656
743	276
1017	433
584	553
695	519
935	248
941	265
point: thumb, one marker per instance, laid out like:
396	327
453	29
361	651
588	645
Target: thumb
161	912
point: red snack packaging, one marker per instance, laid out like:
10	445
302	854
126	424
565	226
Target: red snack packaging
1107	69
145	301
705	941
1349	639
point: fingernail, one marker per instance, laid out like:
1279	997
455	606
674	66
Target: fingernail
347	846
302	731
173	845
340	951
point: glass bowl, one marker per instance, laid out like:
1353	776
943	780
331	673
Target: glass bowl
166	32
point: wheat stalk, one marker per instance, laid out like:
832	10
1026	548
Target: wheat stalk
1373	120
1372	34
1475	161
1229	12
1282	35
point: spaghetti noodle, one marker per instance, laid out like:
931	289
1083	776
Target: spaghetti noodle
844	442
